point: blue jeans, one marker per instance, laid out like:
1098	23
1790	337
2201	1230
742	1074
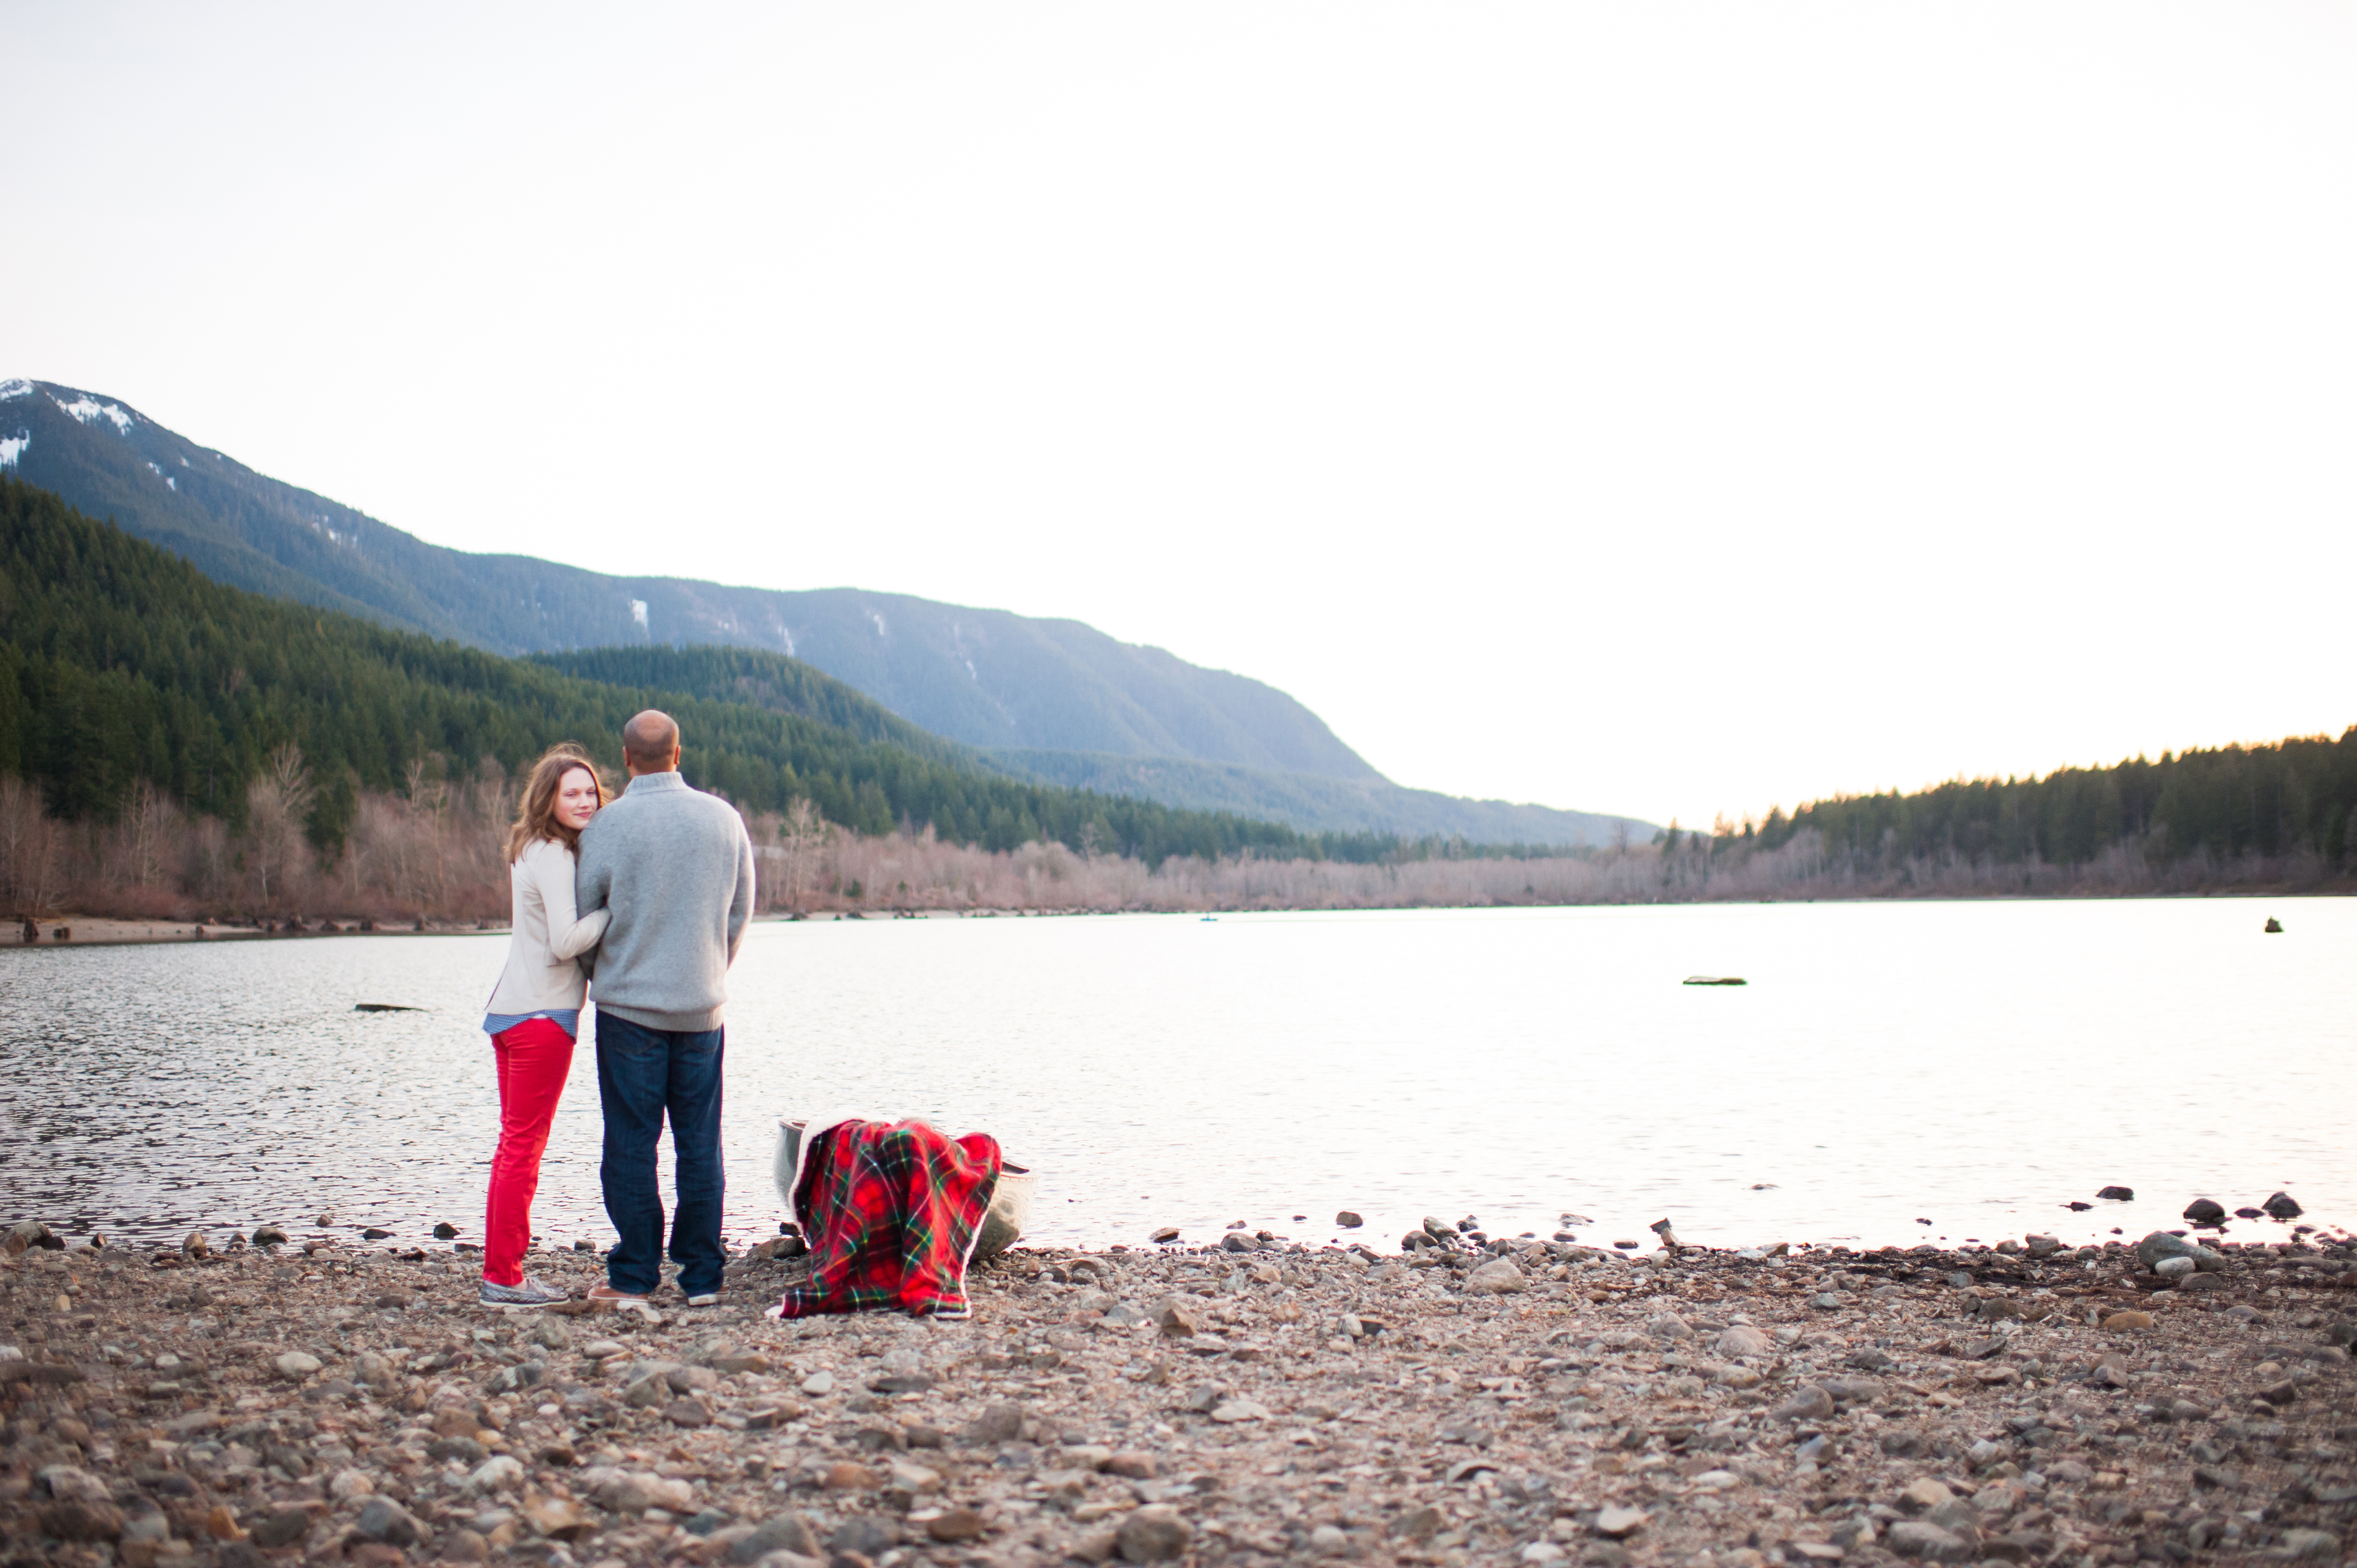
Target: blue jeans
643	1073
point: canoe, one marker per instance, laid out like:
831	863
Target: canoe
1002	1226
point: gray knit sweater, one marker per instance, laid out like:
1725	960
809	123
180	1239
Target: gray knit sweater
676	868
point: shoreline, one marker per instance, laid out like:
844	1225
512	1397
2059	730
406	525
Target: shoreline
95	931
1245	1402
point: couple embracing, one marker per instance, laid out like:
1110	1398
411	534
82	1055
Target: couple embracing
650	892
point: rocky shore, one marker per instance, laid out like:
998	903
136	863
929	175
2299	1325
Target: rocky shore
1526	1401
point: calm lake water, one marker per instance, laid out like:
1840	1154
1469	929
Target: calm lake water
1975	1065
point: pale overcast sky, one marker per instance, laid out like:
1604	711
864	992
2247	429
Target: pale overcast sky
1650	409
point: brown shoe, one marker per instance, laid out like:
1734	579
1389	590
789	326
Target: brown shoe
606	1299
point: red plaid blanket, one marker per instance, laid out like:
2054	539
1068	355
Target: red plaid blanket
891	1210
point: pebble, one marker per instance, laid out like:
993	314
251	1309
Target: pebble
1497	1277
1617	1522
1921	1538
1742	1339
1154	1533
1349	1220
1811	1403
295	1364
1458	1425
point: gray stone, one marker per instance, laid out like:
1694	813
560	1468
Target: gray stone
1178	1317
1349	1220
1810	1403
1743	1340
997	1424
1497	1277
69	1484
295	1364
2161	1244
1155	1533
384	1519
865	1533
1918	1538
1616	1523
692	1379
1668	1326
501	1472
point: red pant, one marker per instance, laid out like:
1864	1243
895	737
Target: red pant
534	1060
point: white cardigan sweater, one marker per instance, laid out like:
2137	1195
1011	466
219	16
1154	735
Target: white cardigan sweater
548	935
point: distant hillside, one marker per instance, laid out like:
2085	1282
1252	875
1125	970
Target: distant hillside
1303	802
120	664
985	676
1312	804
988	679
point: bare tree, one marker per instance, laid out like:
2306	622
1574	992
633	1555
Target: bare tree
800	840
150	826
276	803
31	851
429	803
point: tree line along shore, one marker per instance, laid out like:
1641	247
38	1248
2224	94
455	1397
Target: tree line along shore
172	749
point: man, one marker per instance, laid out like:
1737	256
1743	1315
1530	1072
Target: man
676	868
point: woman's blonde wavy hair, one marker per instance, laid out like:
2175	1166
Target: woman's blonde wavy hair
537	817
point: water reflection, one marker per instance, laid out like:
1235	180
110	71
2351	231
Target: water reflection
1977	1065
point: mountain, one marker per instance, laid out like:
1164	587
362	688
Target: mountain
121	663
1316	804
1051	700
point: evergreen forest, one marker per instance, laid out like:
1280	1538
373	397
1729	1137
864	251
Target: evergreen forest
120	662
167	742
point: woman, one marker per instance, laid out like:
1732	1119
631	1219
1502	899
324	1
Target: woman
535	1010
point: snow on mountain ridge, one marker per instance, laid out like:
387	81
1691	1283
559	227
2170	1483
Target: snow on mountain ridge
86	408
